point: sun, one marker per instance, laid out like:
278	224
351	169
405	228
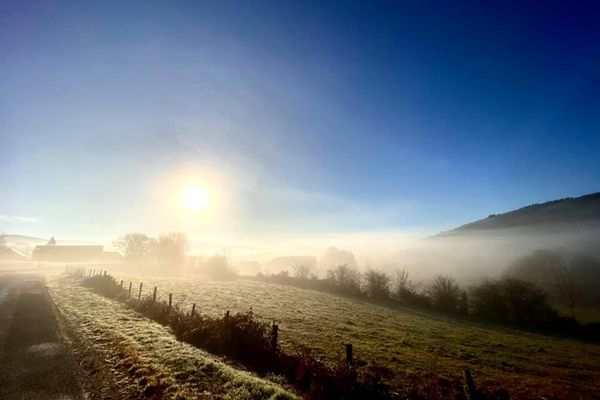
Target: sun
194	198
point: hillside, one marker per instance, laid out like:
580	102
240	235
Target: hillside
564	214
20	245
419	349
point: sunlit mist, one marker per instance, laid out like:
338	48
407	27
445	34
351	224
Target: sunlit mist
299	200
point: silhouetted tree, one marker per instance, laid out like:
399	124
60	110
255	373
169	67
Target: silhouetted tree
445	293
511	301
135	246
567	288
170	249
345	279
403	288
406	292
377	284
538	267
334	257
463	303
585	271
301	271
489	302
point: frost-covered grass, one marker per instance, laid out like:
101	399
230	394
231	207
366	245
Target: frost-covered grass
251	342
148	354
419	348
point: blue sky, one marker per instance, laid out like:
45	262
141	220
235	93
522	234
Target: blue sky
317	118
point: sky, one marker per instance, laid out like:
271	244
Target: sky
300	119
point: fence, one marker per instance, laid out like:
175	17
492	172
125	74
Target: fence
470	390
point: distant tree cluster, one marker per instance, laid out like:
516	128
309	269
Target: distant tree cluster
335	257
168	249
512	300
571	280
446	295
216	267
345	279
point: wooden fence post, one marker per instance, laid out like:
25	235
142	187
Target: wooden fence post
274	334
104	272
349	355
227	315
170	300
154	295
140	292
193	309
121	285
469	386
129	295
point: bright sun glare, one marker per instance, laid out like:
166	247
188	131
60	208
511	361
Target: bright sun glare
194	198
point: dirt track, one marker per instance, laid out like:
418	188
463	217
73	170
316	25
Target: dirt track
35	362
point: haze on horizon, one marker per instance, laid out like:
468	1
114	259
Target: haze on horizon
291	126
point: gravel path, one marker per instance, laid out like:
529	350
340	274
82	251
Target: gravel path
35	361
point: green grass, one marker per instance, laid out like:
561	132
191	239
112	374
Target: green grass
419	348
584	315
147	354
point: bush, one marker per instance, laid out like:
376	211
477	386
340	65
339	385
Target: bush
377	284
405	292
105	285
345	279
446	294
511	301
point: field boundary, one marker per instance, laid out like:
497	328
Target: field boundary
251	342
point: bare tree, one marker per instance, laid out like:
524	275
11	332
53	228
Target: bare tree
567	288
345	278
335	257
171	248
377	284
402	286
135	246
445	293
301	271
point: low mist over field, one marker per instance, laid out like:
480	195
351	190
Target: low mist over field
282	200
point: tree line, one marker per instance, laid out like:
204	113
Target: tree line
515	299
524	296
166	249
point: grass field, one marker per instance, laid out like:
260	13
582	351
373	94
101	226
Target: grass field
145	355
417	347
584	315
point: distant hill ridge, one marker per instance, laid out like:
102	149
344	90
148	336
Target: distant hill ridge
583	211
